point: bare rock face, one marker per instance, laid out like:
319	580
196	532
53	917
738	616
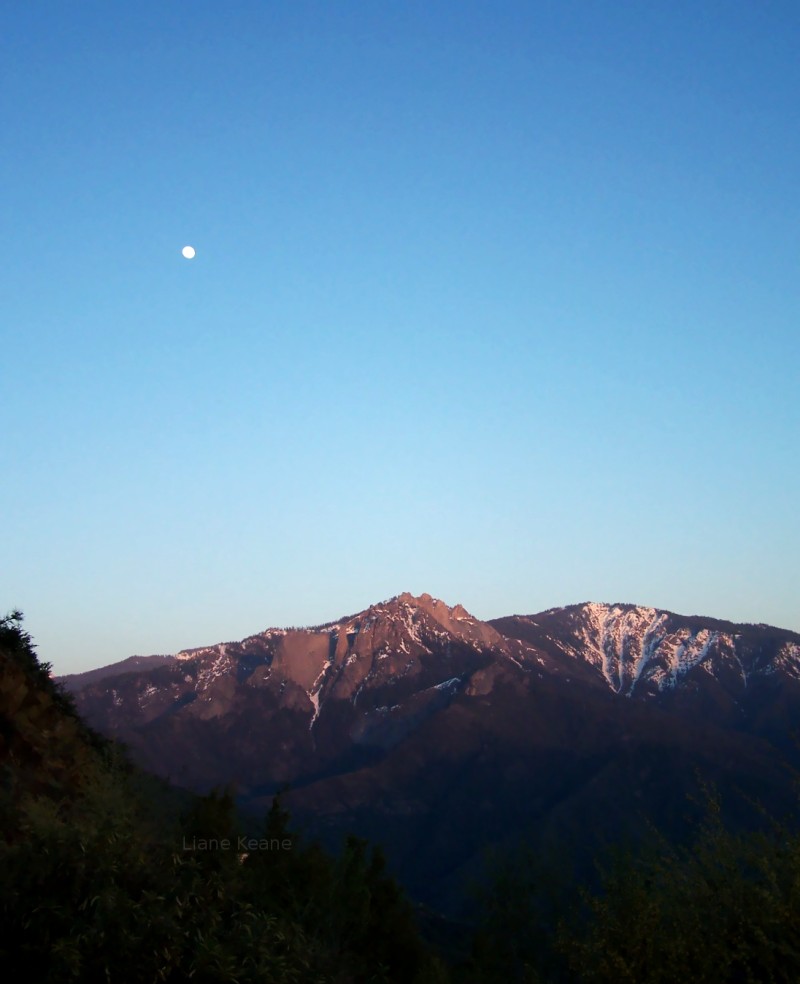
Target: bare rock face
287	703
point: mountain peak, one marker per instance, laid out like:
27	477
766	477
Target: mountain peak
424	601
421	610
644	650
412	717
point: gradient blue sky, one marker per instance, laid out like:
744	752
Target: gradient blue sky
498	301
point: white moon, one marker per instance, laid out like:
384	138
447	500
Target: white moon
188	252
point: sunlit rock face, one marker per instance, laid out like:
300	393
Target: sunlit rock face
287	703
291	702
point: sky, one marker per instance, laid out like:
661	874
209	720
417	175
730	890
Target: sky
498	301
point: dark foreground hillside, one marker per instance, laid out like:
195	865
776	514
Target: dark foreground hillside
101	880
108	875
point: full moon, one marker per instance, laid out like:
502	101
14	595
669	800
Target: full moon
188	252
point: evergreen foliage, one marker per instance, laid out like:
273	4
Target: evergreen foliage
725	908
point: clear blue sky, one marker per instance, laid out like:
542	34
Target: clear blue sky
498	301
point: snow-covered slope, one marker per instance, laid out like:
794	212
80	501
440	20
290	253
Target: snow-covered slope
639	650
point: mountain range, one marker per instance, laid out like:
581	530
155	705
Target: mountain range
439	735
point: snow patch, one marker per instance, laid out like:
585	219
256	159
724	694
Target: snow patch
447	684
